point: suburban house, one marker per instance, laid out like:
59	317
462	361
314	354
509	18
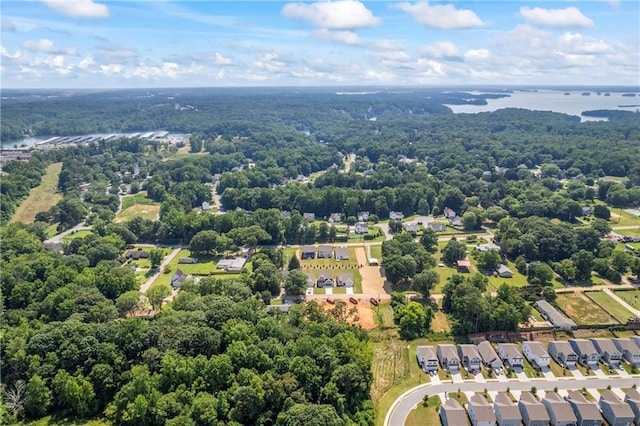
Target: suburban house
507	412
456	221
53	245
463	266
311	280
487	247
587	353
188	260
396	215
427	358
614	411
608	350
532	411
178	278
361	228
335	217
490	358
585	411
344	280
325	252
309	217
510	354
411	228
452	414
632	398
553	315
363	216
437	226
206	206
470	357
448	357
234	264
560	412
630	350
341	253
480	411
308	252
536	353
323	281
449	213
586	211
136	254
562	352
285	214
503	271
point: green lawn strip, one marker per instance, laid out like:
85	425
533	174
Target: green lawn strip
139	198
77	234
425	416
609	304
632	297
376	252
383	315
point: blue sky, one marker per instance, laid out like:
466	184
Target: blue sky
100	44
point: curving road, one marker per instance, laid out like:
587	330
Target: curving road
406	402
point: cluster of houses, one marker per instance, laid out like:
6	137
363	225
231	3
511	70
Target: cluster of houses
328	280
587	352
454	219
324	251
574	409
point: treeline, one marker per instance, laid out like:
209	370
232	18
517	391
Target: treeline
72	349
18	178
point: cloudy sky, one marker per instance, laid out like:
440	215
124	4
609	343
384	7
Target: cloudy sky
101	44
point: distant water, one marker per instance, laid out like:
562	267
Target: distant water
551	100
31	141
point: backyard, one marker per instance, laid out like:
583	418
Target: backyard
632	297
582	310
616	310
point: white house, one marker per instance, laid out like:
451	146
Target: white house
361	228
427	358
480	411
341	253
396	215
448	357
630	350
536	353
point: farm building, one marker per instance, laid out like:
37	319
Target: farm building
553	315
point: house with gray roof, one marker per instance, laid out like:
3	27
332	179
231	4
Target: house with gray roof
178	278
630	350
470	357
536	353
489	356
532	411
608	351
562	352
587	353
510	354
632	397
396	215
452	414
560	411
344	280
427	358
504	271
437	226
554	316
480	411
341	253
448	357
614	411
507	412
308	252
325	251
585	411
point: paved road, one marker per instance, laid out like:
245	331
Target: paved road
144	287
401	407
58	238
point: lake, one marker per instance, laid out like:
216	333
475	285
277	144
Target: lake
556	101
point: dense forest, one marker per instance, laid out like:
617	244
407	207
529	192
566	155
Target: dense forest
71	346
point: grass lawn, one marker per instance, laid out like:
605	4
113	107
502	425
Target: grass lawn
383	315
582	310
615	309
376	252
139	198
78	234
147	211
425	416
518	280
440	322
632	297
329	262
374	231
622	218
41	198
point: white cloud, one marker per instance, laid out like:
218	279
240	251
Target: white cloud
45	45
79	8
476	54
111	68
578	43
116	54
562	18
442	17
218	59
6	25
341	14
6	54
441	49
86	63
346	37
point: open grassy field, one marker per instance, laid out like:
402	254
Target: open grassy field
632	297
425	416
139	198
376	251
615	309
440	322
582	310
41	198
383	315
78	234
150	212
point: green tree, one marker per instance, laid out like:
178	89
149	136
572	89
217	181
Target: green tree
398	267
583	261
469	220
453	251
128	302
296	283
155	257
38	398
74	393
602	212
540	274
310	415
425	281
157	293
488	260
294	263
414	320
429	240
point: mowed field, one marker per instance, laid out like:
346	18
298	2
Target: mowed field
616	310
138	205
583	310
41	198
